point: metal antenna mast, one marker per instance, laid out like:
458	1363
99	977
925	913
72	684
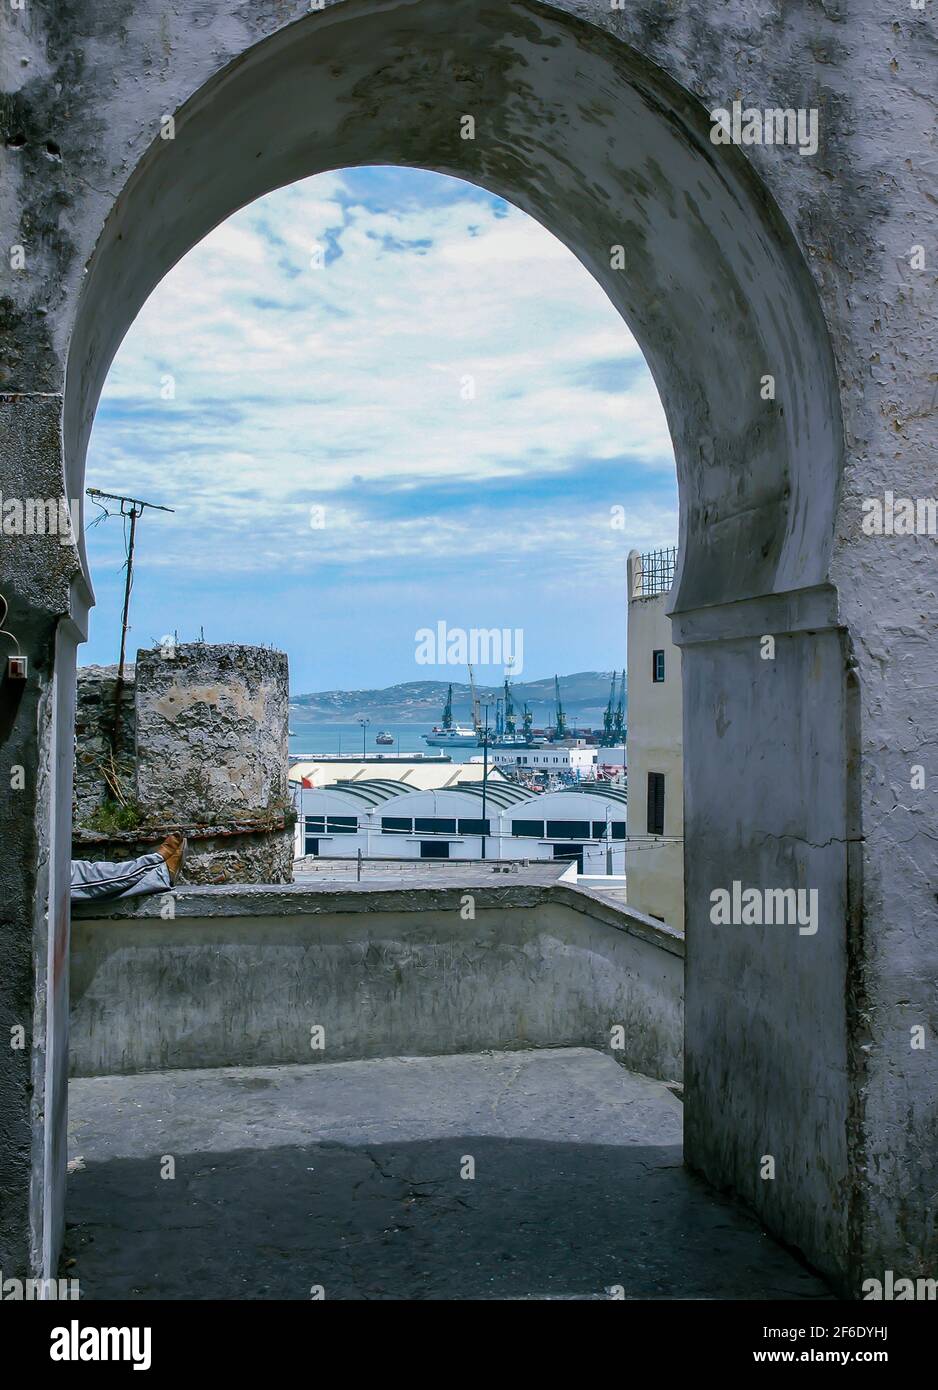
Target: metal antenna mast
137	507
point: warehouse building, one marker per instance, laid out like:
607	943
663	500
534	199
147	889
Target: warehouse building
383	818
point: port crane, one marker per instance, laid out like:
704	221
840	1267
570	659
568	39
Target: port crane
614	714
609	716
618	720
509	710
476	707
560	719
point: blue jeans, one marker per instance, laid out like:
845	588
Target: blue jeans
129	879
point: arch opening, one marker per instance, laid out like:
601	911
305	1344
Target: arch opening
610	154
603	149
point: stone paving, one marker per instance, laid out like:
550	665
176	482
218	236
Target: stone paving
353	1177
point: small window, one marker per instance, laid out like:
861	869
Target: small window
532	828
475	827
657	667
434	825
312	845
315	825
568	830
618	829
599	829
342	825
397	825
656	803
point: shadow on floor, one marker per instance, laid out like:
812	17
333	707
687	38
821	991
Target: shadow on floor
397	1221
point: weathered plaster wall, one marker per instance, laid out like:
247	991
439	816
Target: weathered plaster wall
220	854
203	749
739	263
212	733
94	749
781	819
35	574
240	978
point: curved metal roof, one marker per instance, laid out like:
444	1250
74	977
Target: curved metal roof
374	791
605	790
499	793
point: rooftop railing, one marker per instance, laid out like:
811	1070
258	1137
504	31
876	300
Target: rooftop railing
656	572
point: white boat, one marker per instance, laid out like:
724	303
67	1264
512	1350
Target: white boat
448	734
454	737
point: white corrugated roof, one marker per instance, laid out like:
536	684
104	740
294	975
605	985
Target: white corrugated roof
420	776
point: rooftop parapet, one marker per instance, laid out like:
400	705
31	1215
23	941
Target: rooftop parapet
651	573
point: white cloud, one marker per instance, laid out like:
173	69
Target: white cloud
295	380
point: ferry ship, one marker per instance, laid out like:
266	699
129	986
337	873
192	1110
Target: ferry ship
385	739
516	741
450	735
453	737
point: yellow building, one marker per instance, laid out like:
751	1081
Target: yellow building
654	852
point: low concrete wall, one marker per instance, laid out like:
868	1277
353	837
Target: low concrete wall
241	976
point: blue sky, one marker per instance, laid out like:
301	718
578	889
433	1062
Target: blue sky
379	399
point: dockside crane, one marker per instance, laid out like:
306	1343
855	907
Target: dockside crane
509	710
448	710
560	719
476	707
618	723
609	715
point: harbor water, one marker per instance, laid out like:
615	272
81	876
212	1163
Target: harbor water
317	738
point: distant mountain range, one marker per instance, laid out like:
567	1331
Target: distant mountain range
584	697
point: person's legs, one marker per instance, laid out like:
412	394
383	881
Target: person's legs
151	873
148	874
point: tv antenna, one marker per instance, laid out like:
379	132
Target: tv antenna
131	507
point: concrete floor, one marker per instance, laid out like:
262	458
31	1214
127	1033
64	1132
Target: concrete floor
347	1176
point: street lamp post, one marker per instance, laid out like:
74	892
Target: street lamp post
364	723
485	771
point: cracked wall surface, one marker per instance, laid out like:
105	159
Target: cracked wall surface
99	757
